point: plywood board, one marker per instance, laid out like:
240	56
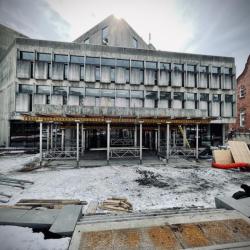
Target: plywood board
223	156
240	151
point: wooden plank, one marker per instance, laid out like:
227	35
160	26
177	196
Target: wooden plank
223	156
240	151
54	201
65	222
92	207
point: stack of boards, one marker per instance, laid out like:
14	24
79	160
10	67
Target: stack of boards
237	156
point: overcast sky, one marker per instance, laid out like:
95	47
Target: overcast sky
215	27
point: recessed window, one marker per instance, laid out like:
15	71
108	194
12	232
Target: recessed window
216	98
242	118
105	36
43	89
153	95
203	69
108	92
137	64
97	74
61	58
178	67
204	97
178	96
215	70
76	91
228	98
122	93
151	65
242	91
26	88
92	92
165	95
165	66
138	94
93	60
190	96
191	68
122	63
44	57
77	59
135	43
24	55
57	90
108	62
81	72
227	71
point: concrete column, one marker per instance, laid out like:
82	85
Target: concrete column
184	136
41	143
159	139
174	138
156	140
150	140
48	137
51	137
140	141
62	139
83	139
108	140
167	143
197	142
77	144
56	127
135	136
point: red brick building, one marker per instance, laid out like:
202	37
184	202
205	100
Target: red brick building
243	100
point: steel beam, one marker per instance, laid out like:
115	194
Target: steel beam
41	143
197	142
140	141
108	140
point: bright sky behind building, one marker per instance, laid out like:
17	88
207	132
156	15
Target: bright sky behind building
214	27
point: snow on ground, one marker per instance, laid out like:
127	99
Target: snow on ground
182	184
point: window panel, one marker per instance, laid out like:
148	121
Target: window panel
190	96
81	72
153	95
151	65
204	97
191	68
137	64
215	70
97	73
108	92
135	43
122	93
25	55
26	88
216	98
137	94
228	71
105	32
43	89
228	98
92	92
165	95
77	59
112	74
61	58
92	60
44	57
108	62
122	63
165	66
204	69
178	96
178	67
76	91
58	90
86	41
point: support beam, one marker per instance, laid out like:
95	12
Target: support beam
159	139
48	137
77	143
83	139
62	139
51	137
140	141
135	136
197	142
184	136
41	143
167	143
108	140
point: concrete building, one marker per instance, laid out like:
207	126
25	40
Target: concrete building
110	77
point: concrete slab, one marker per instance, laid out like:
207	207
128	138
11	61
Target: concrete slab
66	220
241	205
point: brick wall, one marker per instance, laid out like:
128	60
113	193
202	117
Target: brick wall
243	103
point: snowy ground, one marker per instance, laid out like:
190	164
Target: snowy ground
180	184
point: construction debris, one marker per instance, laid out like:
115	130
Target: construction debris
6	181
240	151
117	204
223	156
49	203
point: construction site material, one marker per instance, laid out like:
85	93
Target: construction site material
216	229
3	178
240	151
49	203
231	165
92	207
223	156
6	195
27	217
66	220
117	204
242	205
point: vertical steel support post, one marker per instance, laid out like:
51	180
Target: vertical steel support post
77	144
159	139
135	136
140	141
184	136
83	139
48	137
167	143
108	140
51	137
62	139
41	143
197	142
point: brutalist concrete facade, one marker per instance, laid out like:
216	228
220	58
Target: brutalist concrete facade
63	78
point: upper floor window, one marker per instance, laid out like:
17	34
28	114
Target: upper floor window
108	62
122	93
86	41
105	36
58	90
122	63
178	67
61	58
108	92
151	65
92	92
44	57
178	96
190	96
93	60
165	95
135	43
43	89
228	98
203	69
191	68
215	70
216	98
24	55
77	59
242	91
227	71
76	91
242	118
204	97
165	66
153	95
138	94
137	64
26	88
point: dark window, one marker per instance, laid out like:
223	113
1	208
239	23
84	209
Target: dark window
151	65
57	90
30	102
165	66
61	58
153	95
216	98
137	64
141	76
86	41
204	97
44	57
122	93
65	100
97	74
215	70
105	32
127	75
228	98
92	60
165	95
135	43
178	67
47	99
203	69
76	91
137	94
178	96
81	72
65	73
108	62
190	96
122	63
191	68
26	88
77	59
31	69
112	74
43	89
92	92
228	71
108	92
49	70
24	55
